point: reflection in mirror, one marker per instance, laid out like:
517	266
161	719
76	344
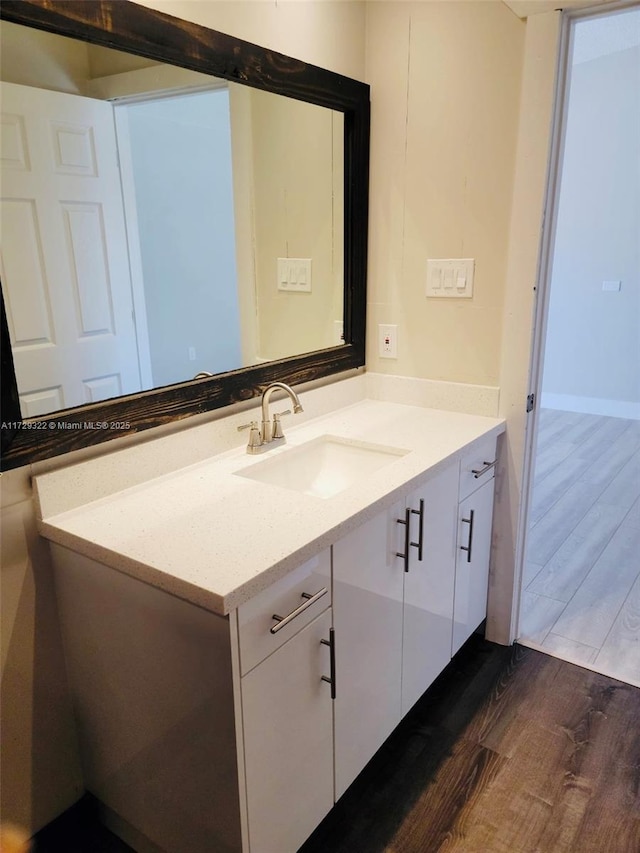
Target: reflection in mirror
157	222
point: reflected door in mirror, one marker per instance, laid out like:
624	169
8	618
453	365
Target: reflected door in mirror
65	268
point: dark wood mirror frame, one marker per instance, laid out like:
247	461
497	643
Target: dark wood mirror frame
124	25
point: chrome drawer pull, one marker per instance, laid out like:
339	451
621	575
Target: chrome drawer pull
487	467
331	642
284	620
467	548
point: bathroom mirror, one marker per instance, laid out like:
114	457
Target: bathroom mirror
296	318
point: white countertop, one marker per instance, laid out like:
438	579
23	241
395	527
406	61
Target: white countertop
216	539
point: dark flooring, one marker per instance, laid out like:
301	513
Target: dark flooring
510	751
78	830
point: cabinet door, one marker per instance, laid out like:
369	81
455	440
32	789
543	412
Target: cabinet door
475	516
367	601
288	741
428	585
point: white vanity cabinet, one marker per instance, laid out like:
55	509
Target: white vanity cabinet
188	751
230	681
368	581
429	585
393	581
286	699
475	518
288	741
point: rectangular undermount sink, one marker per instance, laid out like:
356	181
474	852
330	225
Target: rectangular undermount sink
323	466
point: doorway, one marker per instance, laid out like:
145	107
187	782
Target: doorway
580	595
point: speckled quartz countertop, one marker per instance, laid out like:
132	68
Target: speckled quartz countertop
217	539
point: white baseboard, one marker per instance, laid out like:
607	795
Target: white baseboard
591	405
432	394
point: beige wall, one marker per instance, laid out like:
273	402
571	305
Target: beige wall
445	81
293	213
40	771
536	112
329	33
446	84
35	58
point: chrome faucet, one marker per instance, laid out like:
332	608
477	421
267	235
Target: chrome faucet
271	431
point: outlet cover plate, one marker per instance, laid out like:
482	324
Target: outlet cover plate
387	340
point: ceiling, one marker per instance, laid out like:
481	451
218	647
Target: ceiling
524	8
602	36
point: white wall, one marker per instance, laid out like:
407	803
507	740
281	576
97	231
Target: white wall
181	155
592	356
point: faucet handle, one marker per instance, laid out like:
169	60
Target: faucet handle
277	426
255	439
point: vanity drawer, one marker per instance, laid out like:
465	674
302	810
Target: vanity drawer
477	466
295	598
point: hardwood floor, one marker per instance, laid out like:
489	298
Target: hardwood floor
509	751
581	598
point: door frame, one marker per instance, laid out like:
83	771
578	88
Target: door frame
543	280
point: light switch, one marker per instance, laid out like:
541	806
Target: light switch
294	275
450	277
283	273
611	286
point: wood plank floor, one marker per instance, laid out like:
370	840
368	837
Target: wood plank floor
509	751
581	598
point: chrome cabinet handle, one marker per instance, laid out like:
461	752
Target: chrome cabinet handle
331	642
419	543
284	620
487	467
407	538
467	547
407	534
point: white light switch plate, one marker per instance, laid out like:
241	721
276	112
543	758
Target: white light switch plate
294	275
450	277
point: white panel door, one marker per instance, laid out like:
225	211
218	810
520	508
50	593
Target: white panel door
428	585
475	517
288	743
65	268
367	616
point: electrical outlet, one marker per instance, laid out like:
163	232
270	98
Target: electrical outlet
338	332
192	353
387	341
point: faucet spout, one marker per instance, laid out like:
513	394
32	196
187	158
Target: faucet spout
267	433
